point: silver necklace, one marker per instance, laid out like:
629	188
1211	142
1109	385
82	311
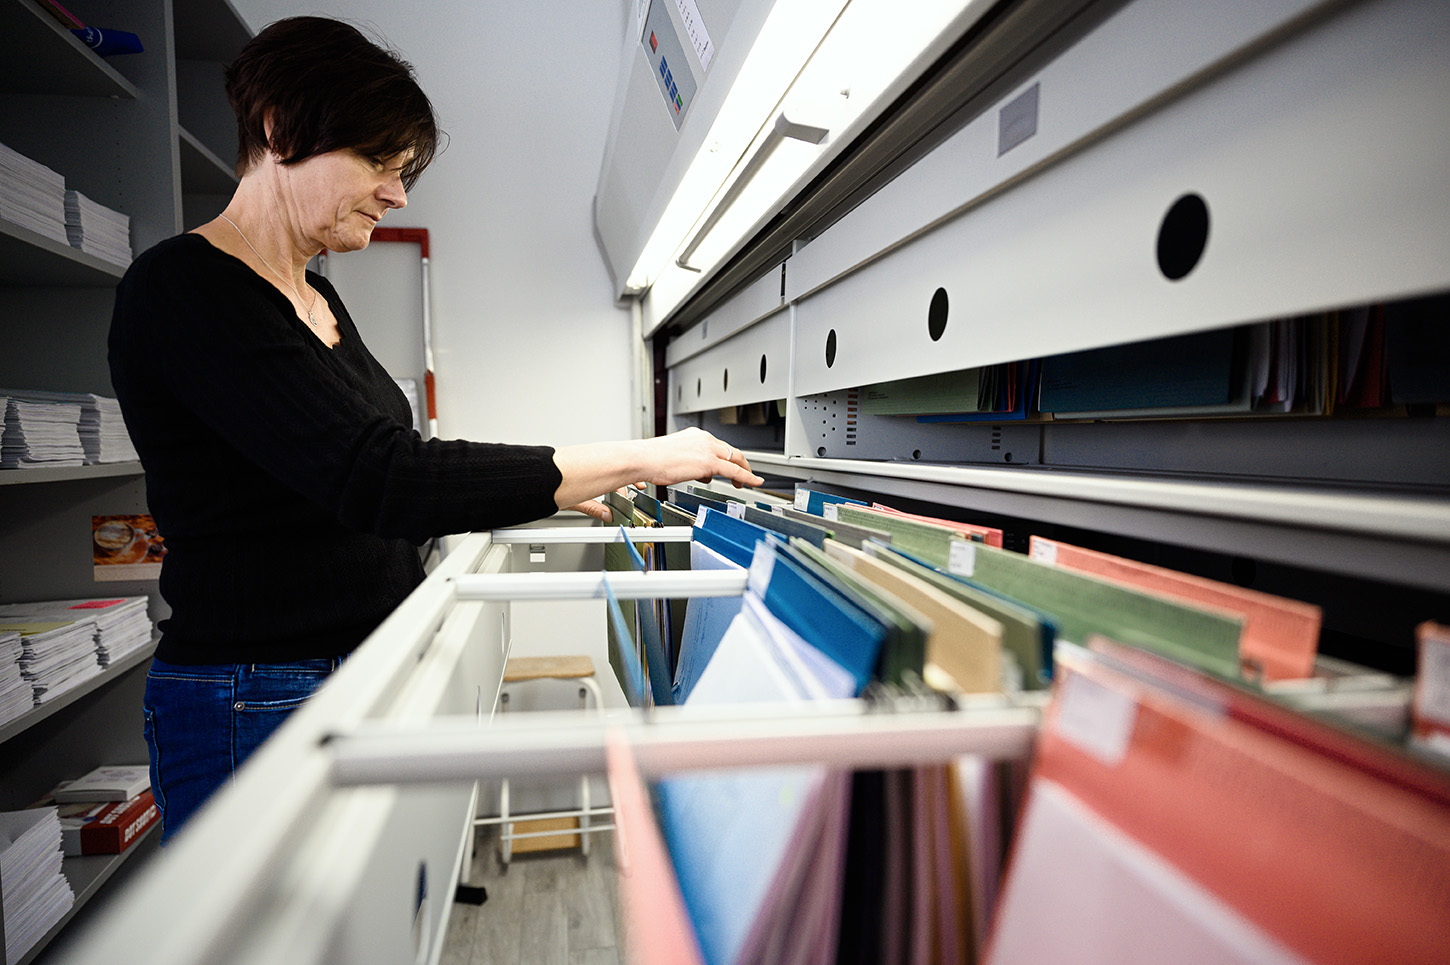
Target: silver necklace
310	317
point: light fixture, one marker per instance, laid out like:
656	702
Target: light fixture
818	72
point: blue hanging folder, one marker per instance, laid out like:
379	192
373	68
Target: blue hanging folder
822	615
633	680
649	630
813	502
732	538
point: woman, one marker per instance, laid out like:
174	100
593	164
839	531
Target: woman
280	462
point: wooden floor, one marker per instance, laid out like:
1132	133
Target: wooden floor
547	908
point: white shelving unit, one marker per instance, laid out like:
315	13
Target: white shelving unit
110	127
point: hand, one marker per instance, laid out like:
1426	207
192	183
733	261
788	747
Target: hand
593	507
594	468
695	454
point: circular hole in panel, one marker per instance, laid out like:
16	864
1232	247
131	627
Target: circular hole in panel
916	453
830	348
821	451
1007	457
727	380
762	370
936	315
1182	237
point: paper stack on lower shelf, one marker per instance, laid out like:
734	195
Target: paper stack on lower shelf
33	892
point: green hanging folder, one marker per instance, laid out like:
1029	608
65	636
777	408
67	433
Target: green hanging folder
925	540
1025	634
1084	605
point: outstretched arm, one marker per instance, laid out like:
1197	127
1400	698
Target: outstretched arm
596	468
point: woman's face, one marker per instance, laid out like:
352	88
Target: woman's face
339	197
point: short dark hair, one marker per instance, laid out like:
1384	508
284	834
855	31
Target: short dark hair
328	87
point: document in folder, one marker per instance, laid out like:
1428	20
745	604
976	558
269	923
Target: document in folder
964	643
1280	636
1160	828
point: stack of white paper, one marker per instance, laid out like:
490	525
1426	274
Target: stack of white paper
33	892
97	230
32	195
41	434
57	651
117	625
122	625
16	694
100	429
103	431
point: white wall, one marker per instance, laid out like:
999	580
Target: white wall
528	344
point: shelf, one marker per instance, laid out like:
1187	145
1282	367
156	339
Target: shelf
208	30
1374	535
86	874
31	718
202	171
43	57
20	477
28	258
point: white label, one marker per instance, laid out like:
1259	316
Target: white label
1432	696
762	565
962	558
700	517
695	29
1095	719
735	510
1044	552
778	509
803	499
831	511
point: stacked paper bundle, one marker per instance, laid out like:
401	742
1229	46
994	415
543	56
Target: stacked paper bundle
41	434
57	658
109	628
33	892
32	195
103	431
97	230
122	625
16	695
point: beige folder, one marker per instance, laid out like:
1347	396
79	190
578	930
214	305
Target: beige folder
966	644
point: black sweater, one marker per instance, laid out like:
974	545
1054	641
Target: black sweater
284	476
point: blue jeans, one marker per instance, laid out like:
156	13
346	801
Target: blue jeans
203	720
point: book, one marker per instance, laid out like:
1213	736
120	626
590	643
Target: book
108	827
109	782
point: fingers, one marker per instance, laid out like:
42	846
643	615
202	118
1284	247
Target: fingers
593	507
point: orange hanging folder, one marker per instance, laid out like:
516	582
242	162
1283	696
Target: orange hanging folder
1273	839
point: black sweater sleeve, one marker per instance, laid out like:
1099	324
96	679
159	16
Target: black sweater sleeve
228	351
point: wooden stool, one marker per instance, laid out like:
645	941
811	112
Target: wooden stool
558	829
